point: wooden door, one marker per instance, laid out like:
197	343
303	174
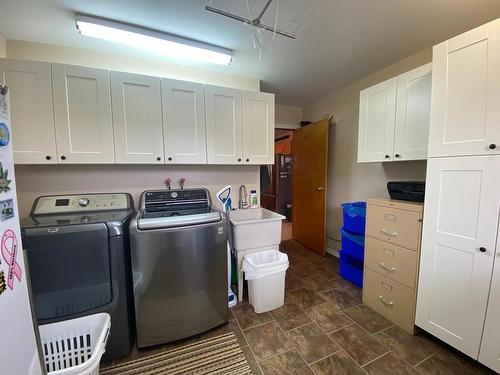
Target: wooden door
465	116
458	248
377	110
413	111
32	113
184	122
258	127
224	125
309	185
137	121
82	111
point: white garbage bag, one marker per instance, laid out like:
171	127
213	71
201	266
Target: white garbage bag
264	263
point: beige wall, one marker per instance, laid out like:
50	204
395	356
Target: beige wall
35	180
348	180
23	50
287	115
3	46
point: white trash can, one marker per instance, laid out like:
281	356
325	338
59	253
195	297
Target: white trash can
265	272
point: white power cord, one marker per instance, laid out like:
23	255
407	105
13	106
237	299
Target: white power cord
257	34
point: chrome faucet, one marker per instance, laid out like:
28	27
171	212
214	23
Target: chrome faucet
243	194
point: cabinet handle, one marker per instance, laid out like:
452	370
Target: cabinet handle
158	158
482	249
63	157
48	157
387	156
390	234
397	155
239	159
385	302
492	146
247	160
169	158
392	269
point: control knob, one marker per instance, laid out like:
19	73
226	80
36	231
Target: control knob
84	202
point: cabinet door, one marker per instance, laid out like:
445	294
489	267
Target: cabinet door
258	127
184	122
377	110
82	109
490	344
32	113
465	115
458	248
413	111
224	125
137	123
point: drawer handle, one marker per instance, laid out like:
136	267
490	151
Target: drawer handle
385	302
388	233
392	269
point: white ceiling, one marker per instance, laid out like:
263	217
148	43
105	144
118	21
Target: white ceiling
338	41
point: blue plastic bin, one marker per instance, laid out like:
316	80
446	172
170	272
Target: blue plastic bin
354	217
351	269
353	245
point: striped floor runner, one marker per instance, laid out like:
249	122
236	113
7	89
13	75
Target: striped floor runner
218	355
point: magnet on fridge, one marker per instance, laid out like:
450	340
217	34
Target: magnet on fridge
4	181
3	285
6	209
4	134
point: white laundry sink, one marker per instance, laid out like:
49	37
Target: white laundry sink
255	228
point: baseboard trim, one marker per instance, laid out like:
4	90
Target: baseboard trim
330	251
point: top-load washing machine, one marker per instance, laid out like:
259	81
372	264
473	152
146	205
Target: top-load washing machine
79	261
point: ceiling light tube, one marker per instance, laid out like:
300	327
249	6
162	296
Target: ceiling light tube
163	43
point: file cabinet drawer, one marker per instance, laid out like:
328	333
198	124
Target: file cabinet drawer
394	225
395	262
390	299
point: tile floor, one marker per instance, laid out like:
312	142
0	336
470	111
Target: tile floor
323	328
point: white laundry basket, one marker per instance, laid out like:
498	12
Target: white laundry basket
75	347
265	272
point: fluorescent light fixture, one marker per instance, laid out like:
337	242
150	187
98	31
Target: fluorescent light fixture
163	43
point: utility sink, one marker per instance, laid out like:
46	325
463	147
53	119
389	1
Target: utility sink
255	228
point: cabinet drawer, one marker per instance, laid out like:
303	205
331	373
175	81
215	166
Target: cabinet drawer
397	226
395	262
390	299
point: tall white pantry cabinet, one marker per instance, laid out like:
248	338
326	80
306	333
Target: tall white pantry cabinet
459	285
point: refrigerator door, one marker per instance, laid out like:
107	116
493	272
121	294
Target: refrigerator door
18	347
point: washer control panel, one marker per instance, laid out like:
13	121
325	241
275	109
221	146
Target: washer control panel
80	203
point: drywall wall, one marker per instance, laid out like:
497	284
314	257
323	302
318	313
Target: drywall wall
287	116
349	180
24	50
35	180
3	46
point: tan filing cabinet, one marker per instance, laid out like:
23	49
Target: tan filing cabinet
392	254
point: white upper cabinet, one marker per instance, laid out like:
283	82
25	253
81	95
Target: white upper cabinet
137	118
82	109
184	122
258	127
458	249
224	125
30	88
377	107
465	117
413	111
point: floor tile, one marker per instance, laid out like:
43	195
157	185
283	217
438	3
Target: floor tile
389	364
303	270
252	362
286	363
288	245
305	298
290	316
247	317
328	317
293	282
338	363
412	349
317	283
312	343
341	299
267	340
343	284
359	344
370	320
450	363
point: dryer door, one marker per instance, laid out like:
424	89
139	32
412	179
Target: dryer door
69	269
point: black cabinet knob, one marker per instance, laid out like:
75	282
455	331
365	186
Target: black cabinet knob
247	160
387	156
158	158
492	146
239	159
48	157
63	157
169	159
482	249
397	155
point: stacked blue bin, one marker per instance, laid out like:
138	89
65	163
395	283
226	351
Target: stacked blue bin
352	254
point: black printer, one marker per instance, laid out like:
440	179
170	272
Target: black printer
413	191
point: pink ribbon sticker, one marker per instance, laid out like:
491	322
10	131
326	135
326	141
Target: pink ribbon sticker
9	254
